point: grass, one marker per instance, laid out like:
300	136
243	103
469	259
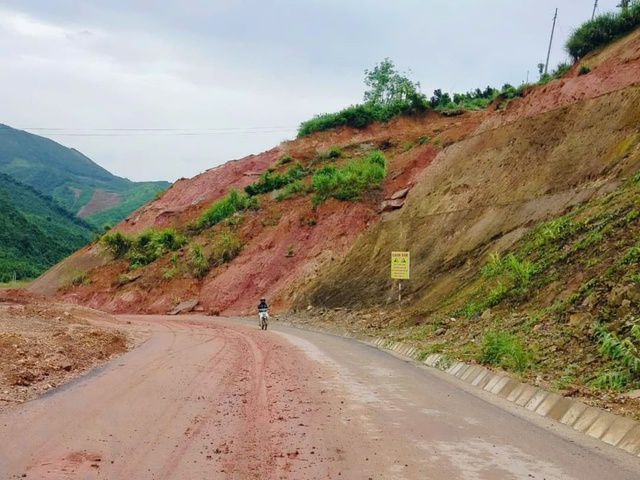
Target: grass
144	248
231	203
504	350
623	355
348	182
602	30
198	261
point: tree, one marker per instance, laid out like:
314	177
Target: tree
388	86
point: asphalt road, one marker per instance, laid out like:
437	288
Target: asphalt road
205	398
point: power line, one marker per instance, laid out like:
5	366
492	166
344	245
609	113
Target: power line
139	132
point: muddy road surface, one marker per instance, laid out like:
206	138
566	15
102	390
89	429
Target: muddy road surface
205	398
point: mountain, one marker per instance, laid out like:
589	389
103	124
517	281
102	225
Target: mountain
70	178
35	233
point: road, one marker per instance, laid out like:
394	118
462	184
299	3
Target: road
205	398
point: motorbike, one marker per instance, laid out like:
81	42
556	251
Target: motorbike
263	319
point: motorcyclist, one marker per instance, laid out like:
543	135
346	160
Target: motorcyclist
262	307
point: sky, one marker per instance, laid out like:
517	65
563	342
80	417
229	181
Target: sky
161	90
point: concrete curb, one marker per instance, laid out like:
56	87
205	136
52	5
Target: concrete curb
615	430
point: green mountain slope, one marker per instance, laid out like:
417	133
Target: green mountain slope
69	177
35	233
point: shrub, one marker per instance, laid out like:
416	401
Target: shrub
602	30
144	248
294	188
225	207
284	160
623	353
583	69
348	182
227	247
505	350
359	116
561	69
198	261
270	181
117	242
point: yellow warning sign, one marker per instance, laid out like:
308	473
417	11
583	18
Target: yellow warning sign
400	265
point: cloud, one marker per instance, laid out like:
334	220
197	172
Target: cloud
239	64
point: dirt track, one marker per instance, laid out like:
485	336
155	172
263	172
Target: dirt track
209	398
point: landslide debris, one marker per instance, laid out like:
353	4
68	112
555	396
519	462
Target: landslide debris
44	344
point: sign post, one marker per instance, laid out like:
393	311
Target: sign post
400	268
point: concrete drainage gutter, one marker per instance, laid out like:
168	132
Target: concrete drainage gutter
618	431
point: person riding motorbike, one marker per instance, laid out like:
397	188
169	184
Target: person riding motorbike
262	309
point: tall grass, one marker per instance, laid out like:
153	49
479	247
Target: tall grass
348	182
602	30
231	203
505	350
144	248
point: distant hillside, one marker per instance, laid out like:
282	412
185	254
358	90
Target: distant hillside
35	233
72	179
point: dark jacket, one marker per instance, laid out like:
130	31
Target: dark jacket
262	306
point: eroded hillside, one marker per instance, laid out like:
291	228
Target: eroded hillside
476	183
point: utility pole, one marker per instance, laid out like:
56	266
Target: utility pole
595	7
546	65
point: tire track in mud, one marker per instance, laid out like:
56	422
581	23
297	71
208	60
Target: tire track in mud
198	399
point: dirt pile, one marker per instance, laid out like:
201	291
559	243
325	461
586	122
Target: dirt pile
44	344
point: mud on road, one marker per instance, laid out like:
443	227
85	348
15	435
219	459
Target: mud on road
197	399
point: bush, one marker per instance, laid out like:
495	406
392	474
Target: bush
225	207
505	350
294	188
144	248
227	247
602	30
623	353
359	116
583	69
198	261
270	181
348	182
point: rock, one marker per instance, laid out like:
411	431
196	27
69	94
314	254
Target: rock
579	319
590	302
635	394
66	366
486	315
187	306
440	331
400	194
390	205
309	308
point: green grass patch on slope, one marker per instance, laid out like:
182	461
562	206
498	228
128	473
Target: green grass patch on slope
603	30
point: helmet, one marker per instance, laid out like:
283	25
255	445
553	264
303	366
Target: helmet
262	299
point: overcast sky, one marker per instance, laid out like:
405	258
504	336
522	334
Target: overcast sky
215	80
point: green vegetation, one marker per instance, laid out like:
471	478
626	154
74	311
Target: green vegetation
623	354
198	261
226	247
270	180
35	232
144	248
131	199
504	350
348	182
68	176
603	30
390	94
231	203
